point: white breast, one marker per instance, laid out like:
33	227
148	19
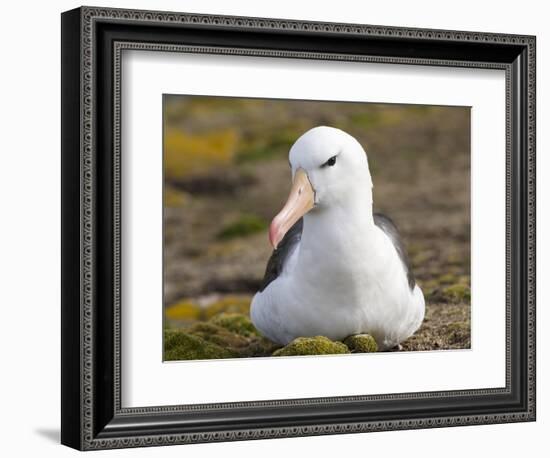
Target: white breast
337	284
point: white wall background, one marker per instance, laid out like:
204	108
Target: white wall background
30	214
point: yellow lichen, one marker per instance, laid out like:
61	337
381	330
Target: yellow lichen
186	154
184	310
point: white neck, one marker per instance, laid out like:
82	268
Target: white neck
339	233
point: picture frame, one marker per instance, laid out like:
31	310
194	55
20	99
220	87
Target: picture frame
93	416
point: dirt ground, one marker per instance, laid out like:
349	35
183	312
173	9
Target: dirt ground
227	175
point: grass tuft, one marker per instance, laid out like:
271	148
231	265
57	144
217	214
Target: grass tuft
243	226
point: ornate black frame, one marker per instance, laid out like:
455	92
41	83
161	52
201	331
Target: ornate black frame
92	42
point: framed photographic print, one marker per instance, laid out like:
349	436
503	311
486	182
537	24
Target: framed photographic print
277	228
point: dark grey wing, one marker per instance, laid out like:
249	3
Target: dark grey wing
280	255
388	226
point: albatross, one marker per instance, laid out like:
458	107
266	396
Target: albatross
337	268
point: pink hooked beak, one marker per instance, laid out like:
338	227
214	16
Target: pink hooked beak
300	200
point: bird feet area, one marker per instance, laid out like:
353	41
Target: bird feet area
232	335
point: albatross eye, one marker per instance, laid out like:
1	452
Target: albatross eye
330	162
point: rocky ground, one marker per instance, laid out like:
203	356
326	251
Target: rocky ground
227	175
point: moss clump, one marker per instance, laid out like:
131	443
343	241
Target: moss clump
244	346
318	345
185	310
218	335
207	340
235	322
179	345
245	225
457	293
361	343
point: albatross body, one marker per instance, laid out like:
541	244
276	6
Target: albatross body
337	269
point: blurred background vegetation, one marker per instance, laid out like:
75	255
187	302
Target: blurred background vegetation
226	175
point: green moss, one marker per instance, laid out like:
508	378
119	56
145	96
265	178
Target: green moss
218	335
448	278
428	285
258	153
458	258
179	345
318	345
454	294
235	322
207	340
385	117
421	258
361	343
245	225
366	119
457	293
274	145
413	249
244	346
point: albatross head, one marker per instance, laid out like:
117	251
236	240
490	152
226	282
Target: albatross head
329	169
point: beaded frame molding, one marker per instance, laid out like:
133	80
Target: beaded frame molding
92	42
